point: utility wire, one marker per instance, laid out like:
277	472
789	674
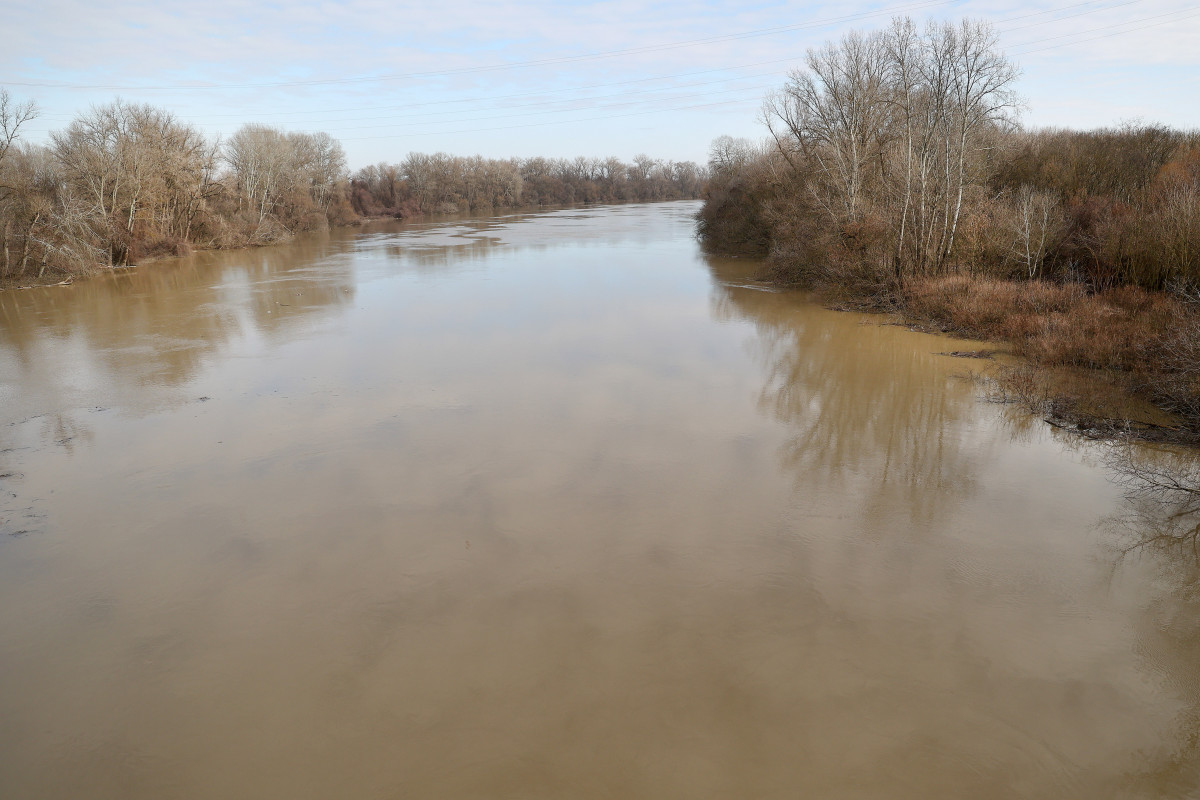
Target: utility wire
491	98
555	101
510	65
554	122
1050	11
1107	27
1069	16
658	99
736	102
681	97
540	93
643	102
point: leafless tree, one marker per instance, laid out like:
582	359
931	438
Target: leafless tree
729	154
13	116
1036	221
1162	488
981	96
261	158
319	162
832	115
143	173
894	124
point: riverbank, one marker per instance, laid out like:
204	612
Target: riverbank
58	276
1132	348
89	200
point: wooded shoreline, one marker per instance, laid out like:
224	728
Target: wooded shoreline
13	283
897	179
124	183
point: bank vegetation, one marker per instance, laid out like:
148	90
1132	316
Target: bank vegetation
125	182
896	177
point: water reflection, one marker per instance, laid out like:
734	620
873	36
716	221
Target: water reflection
156	327
597	521
865	401
1158	530
456	242
876	414
1169	645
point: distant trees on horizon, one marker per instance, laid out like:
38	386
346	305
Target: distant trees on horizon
126	181
442	182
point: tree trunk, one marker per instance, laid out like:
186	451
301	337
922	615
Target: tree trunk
25	246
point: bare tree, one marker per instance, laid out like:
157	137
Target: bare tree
26	203
261	158
641	167
894	124
318	163
833	116
441	182
1037	220
13	116
981	95
729	154
903	65
143	173
1162	489
89	151
1179	219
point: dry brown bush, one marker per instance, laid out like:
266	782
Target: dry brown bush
162	247
985	307
1053	324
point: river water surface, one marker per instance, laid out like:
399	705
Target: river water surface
552	506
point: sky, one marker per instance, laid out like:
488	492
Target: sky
556	79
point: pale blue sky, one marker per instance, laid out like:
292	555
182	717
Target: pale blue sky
552	78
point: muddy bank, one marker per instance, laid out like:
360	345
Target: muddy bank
1120	363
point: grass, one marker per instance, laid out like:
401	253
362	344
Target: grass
1053	324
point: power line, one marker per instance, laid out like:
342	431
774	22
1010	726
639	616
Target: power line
394	106
1107	27
633	103
1071	16
579	99
555	101
490	98
735	102
723	80
567	110
554	122
657	91
510	65
1050	11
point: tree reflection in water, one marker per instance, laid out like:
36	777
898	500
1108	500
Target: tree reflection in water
862	402
868	412
1161	524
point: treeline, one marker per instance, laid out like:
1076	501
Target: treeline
123	182
445	183
126	181
896	177
896	154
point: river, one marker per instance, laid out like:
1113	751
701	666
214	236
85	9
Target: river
553	505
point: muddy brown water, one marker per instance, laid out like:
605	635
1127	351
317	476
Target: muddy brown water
552	506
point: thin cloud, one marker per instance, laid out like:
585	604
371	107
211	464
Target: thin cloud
131	43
